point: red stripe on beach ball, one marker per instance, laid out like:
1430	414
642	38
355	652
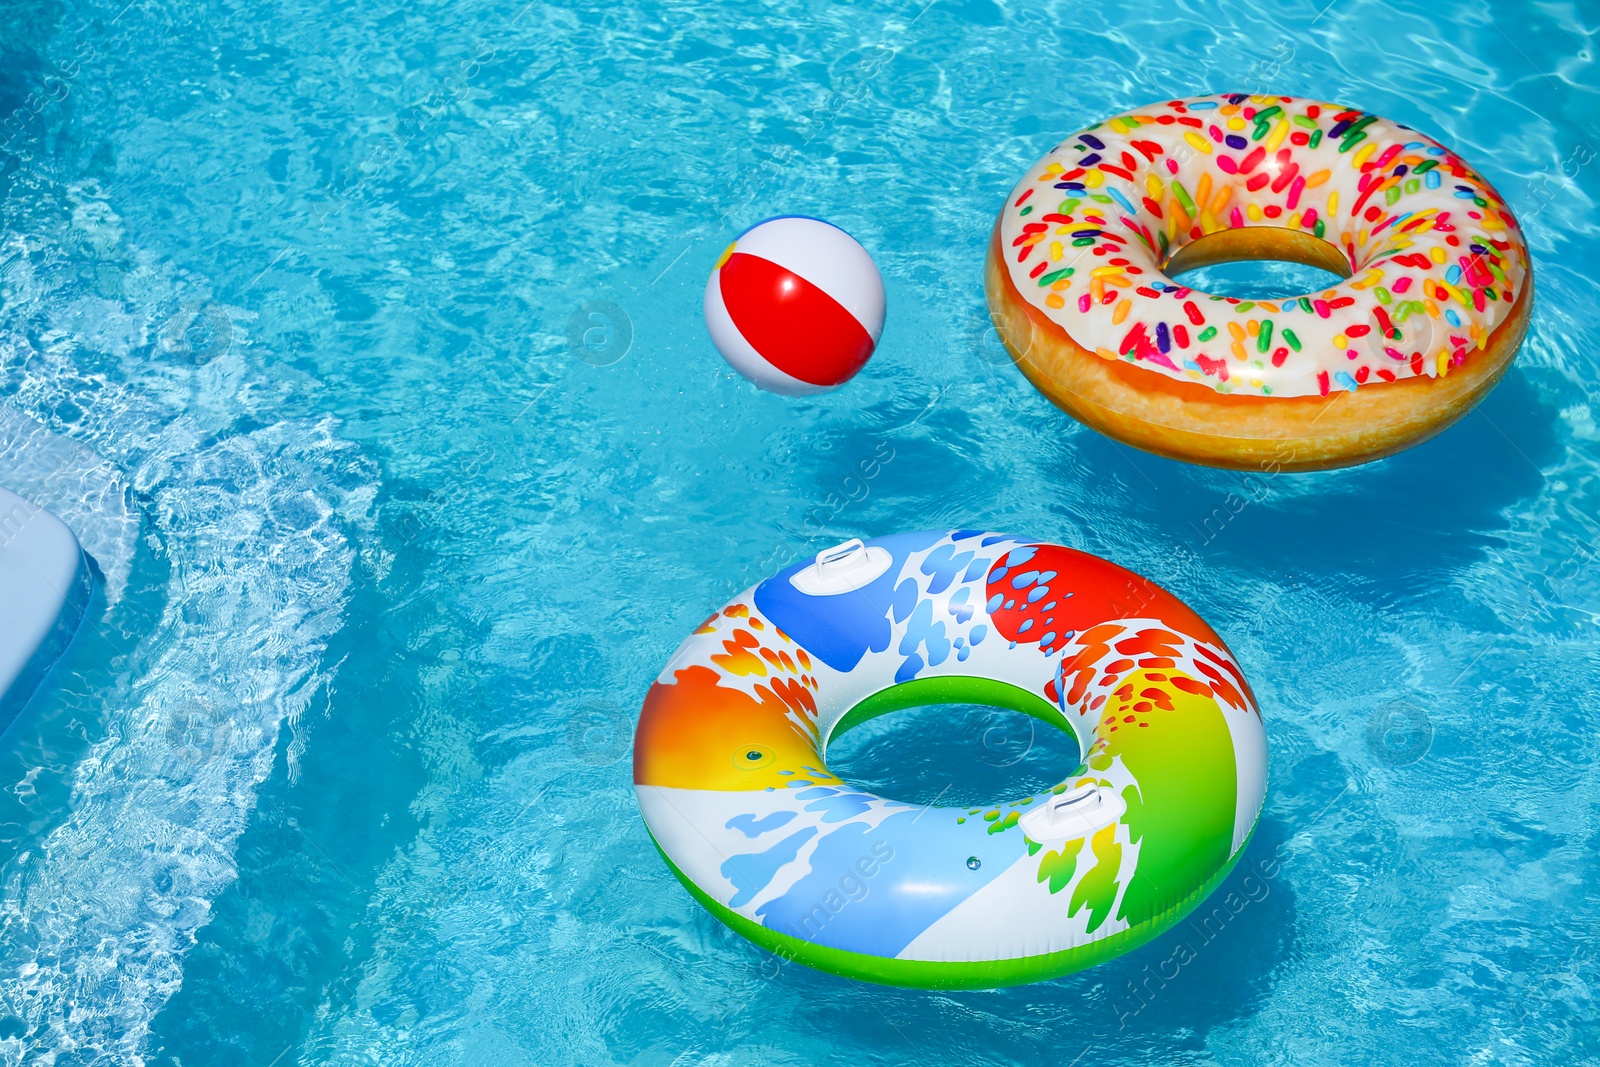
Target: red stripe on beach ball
796	326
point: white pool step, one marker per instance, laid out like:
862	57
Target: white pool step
44	587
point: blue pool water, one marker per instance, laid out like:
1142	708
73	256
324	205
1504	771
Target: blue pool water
374	328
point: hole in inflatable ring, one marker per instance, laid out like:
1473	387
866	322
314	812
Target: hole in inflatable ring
1259	263
953	755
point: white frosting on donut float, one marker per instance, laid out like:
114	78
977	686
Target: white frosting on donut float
1437	259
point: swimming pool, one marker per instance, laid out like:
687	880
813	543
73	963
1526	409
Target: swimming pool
379	324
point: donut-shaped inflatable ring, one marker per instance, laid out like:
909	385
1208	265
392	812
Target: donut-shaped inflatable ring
731	774
1434	304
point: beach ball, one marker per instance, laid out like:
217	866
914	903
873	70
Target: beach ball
795	305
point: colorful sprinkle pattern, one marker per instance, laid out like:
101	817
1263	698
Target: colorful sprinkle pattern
1437	259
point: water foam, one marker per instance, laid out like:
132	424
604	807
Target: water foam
254	516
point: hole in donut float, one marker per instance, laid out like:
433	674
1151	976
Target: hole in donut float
1259	263
967	755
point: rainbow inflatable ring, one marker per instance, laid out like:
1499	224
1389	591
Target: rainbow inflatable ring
730	773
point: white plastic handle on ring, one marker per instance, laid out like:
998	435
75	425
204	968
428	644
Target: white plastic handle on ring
1076	813
842	569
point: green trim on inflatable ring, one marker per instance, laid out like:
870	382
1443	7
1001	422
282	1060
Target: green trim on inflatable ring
953	689
927	974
